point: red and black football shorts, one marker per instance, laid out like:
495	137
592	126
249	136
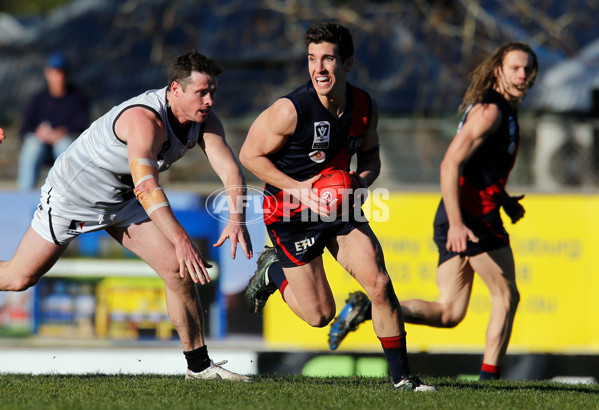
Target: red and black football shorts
488	228
297	243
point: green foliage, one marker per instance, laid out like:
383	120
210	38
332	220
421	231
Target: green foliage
281	392
30	7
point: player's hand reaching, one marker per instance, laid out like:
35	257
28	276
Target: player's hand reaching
458	236
192	262
513	208
238	233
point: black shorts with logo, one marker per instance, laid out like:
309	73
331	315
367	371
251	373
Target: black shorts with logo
297	243
488	228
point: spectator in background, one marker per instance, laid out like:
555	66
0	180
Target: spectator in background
52	120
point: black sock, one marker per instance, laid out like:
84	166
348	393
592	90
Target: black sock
197	359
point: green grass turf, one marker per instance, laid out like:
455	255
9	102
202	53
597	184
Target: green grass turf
282	392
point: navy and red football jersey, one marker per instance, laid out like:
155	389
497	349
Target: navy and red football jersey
321	141
484	175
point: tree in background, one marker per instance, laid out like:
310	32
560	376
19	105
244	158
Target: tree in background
30	7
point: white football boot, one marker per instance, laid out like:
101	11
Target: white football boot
216	372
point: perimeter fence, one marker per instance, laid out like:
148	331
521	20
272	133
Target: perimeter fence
557	154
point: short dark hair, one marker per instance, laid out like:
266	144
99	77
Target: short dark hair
331	33
189	62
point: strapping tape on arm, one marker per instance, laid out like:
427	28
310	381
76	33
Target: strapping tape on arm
143	169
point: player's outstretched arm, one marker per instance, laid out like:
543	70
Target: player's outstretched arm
144	134
227	168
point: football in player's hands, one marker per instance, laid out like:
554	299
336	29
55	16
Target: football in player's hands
335	187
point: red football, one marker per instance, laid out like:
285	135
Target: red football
334	187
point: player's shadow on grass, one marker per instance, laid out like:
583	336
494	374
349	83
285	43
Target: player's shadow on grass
509	385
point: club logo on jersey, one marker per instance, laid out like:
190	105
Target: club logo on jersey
75	228
303	245
322	135
317	156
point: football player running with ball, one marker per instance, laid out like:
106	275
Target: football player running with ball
319	127
108	180
468	229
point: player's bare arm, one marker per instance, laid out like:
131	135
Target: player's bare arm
144	134
483	119
267	135
369	160
227	168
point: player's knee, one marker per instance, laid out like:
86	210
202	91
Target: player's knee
318	321
508	300
451	316
380	291
511	297
451	321
178	285
320	318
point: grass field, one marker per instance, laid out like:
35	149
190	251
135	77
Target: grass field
282	392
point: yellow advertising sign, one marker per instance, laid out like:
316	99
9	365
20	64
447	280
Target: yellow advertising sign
554	247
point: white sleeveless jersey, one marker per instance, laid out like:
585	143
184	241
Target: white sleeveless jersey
94	171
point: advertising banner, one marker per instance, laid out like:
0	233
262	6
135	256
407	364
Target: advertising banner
557	277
